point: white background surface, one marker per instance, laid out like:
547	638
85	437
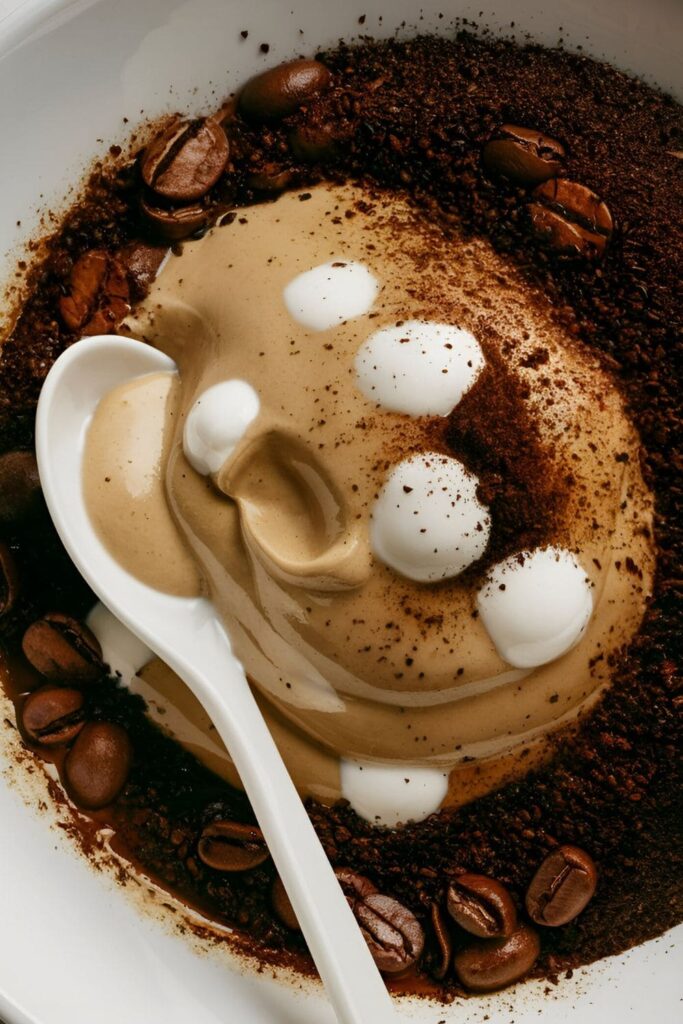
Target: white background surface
73	947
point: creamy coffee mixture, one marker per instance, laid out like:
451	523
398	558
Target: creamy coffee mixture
300	469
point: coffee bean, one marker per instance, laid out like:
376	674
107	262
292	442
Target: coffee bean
443	941
52	715
313	143
232	846
282	90
98	764
270	179
571	218
183	162
20	493
354	886
489	964
99	296
394	935
482	906
522	155
9	580
562	886
173	224
142	263
61	648
282	906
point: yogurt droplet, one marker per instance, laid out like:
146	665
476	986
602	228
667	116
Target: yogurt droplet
330	294
216	422
388	794
428	523
419	368
536	606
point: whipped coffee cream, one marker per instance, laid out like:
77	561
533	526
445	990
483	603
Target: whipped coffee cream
368	641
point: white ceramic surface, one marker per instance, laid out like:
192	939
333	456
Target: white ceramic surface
74	946
187	635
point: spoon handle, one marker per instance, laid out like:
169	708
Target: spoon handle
353	983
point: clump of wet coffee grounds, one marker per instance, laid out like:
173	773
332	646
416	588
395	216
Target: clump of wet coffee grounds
570	168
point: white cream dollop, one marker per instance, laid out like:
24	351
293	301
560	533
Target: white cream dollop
331	293
216	422
427	523
418	367
536	606
387	794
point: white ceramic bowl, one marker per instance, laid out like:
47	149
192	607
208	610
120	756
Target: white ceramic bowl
75	946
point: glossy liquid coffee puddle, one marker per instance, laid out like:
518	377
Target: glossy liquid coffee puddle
351	660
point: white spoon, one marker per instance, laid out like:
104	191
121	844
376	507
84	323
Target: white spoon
187	635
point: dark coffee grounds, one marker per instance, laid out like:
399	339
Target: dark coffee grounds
415	116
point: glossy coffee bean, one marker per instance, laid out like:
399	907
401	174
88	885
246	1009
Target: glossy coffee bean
9	580
270	180
522	155
98	297
571	218
172	225
488	964
232	846
354	886
142	262
482	906
444	943
20	492
313	143
280	91
63	649
562	886
183	162
53	715
394	935
98	764
283	907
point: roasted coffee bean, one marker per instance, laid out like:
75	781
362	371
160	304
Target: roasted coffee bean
571	218
174	224
522	155
443	941
482	906
183	162
98	764
282	906
488	964
232	846
355	886
52	715
270	179
61	648
313	143
9	580
20	493
99	296
394	935
142	263
282	90
562	886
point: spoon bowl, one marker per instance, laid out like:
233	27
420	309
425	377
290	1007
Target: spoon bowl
188	636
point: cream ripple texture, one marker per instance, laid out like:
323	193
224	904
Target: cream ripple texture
350	659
